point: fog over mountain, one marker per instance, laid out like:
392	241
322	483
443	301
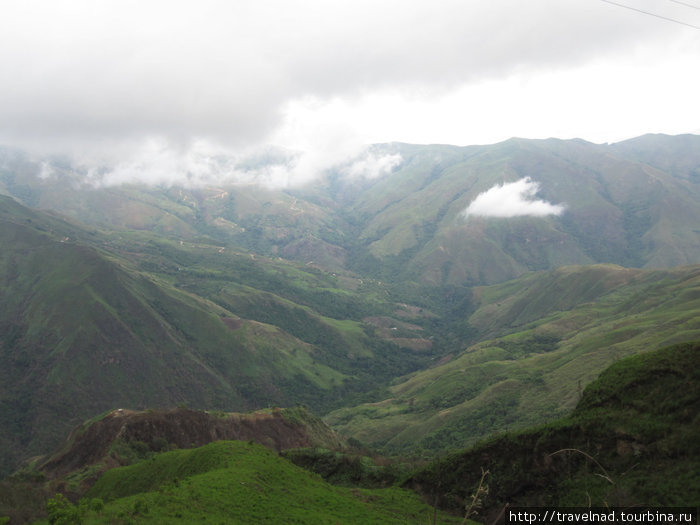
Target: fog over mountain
439	214
159	92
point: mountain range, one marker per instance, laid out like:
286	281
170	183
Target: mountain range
465	291
632	203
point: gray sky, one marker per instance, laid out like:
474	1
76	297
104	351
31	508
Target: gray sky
158	88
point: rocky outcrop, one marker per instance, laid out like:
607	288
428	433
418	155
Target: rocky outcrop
159	430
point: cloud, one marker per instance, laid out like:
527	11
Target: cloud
159	163
97	78
513	199
371	165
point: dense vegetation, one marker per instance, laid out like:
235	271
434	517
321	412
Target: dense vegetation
627	443
85	328
239	482
541	339
632	204
373	302
632	440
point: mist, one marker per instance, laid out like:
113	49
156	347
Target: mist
162	92
157	163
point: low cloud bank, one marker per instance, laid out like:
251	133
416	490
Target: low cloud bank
158	162
371	165
512	199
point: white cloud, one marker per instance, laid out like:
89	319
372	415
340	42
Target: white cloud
512	199
155	161
109	82
371	165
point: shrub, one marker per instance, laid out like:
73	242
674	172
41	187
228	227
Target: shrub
61	511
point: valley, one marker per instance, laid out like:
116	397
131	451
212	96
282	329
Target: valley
378	306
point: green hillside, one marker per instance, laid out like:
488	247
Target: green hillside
633	204
541	339
89	321
374	302
678	154
618	210
122	437
628	444
238	482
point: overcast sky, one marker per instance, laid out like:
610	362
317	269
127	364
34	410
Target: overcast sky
161	85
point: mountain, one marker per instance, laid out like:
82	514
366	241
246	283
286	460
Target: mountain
539	340
632	203
677	155
377	302
628	444
147	464
617	210
85	326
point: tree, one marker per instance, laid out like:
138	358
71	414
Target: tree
62	512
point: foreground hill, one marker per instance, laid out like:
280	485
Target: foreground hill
182	468
98	441
122	437
541	339
629	443
236	482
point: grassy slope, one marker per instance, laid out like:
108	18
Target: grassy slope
628	443
324	310
264	221
82	334
632	203
124	437
544	338
239	482
91	321
617	210
634	445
